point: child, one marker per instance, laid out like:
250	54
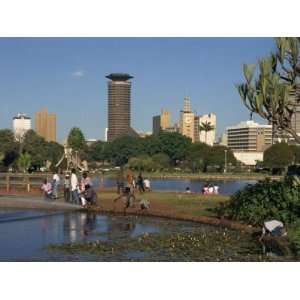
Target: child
47	189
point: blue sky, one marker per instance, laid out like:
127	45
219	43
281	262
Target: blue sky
67	75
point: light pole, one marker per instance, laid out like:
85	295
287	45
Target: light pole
225	164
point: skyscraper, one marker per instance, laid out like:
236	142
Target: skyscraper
21	124
119	93
187	120
161	122
45	125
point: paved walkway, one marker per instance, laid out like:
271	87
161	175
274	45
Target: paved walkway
35	202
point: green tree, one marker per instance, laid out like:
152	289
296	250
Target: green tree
160	161
174	144
216	157
206	127
278	156
120	150
24	162
36	147
196	156
54	152
275	92
96	152
76	139
8	148
141	163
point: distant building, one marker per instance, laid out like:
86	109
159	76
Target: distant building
89	142
119	98
196	129
45	125
223	141
174	128
144	134
249	137
21	124
249	140
161	122
186	123
105	134
210	136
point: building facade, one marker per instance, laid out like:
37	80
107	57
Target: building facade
161	122
119	105
21	124
208	137
249	140
186	123
45	125
249	137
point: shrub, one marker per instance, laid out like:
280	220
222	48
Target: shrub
265	200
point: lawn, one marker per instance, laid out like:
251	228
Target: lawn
171	202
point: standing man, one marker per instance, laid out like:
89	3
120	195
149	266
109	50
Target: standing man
74	187
130	180
56	182
67	188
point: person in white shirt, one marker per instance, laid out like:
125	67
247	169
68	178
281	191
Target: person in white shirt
55	184
216	189
147	184
74	187
210	189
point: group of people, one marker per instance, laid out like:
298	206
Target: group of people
126	187
75	191
210	189
139	183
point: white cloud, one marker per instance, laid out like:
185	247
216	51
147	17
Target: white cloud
78	73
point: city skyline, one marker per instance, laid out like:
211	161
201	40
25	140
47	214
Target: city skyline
67	76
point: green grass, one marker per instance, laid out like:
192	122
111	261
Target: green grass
193	204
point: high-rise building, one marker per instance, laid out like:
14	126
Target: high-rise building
21	124
186	123
249	140
161	122
196	129
249	136
45	125
209	136
119	94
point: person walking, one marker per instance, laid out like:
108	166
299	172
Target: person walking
130	180
67	188
140	183
74	187
55	184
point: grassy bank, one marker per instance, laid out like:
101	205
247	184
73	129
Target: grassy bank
177	203
201	176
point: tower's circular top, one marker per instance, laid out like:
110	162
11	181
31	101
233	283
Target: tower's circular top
119	76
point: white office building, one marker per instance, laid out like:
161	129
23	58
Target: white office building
21	124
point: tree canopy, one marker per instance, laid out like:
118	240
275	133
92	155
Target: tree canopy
279	155
272	86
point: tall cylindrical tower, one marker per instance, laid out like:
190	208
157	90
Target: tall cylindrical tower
119	91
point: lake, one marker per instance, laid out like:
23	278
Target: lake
38	235
179	185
